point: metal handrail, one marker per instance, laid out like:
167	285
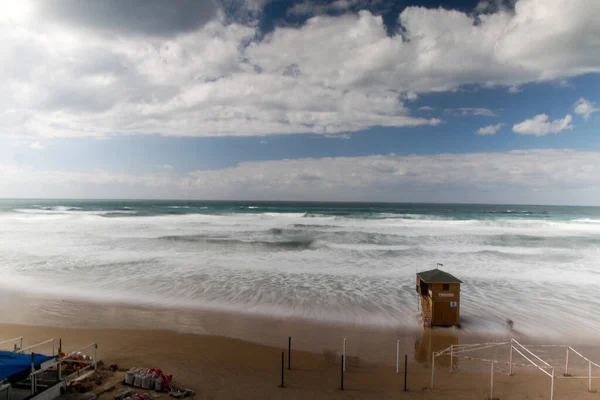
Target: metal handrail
13	340
38	345
533	363
582	356
530	352
489	346
77	351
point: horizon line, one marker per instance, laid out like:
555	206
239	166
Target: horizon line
291	201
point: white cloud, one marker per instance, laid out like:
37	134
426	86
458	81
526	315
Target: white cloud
539	125
37	146
489	130
561	176
70	79
585	108
426	108
165	166
263	142
514	89
412	96
466	112
339	136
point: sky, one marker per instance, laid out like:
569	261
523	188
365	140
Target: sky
471	101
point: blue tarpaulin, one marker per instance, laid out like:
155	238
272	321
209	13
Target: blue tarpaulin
16	365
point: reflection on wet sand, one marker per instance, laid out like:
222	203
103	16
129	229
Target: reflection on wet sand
435	339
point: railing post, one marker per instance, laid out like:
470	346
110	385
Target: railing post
510	359
405	371
567	362
60	370
21	346
432	369
95	357
451	358
492	384
52	347
552	386
342	373
590	375
397	356
344	361
31	373
282	368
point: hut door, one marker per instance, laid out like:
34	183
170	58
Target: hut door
444	314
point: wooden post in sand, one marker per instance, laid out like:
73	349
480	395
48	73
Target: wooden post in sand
289	353
282	367
397	356
492	384
405	370
344	359
342	373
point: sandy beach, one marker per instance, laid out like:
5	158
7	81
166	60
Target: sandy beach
300	199
219	363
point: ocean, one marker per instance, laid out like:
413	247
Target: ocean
350	263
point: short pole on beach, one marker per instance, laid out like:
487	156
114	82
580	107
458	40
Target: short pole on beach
552	386
492	384
282	367
590	376
405	370
290	352
33	377
510	363
342	374
567	363
397	356
344	359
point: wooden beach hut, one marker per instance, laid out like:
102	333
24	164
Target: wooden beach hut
439	296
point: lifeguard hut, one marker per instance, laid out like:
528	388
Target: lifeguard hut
439	296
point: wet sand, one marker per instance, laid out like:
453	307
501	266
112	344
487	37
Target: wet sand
228	356
372	343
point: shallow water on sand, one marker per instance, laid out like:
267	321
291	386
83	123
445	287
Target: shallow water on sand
334	263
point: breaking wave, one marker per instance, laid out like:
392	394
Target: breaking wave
330	263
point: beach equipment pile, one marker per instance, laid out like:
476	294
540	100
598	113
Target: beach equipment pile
149	378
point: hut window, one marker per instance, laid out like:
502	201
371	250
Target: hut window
446	286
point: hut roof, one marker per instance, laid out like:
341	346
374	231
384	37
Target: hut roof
437	276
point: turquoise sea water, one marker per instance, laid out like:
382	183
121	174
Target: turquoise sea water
353	210
339	262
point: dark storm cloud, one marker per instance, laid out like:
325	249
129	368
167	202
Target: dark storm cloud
131	17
